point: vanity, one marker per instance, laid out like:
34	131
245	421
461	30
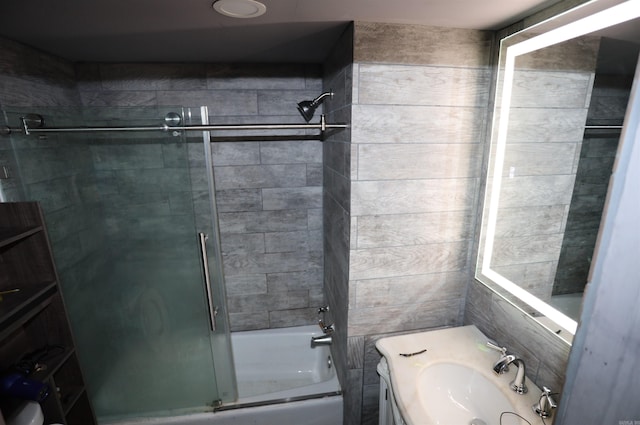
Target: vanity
446	376
559	221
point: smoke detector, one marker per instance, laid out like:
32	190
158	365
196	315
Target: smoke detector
239	8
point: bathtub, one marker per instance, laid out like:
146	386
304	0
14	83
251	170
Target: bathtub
281	380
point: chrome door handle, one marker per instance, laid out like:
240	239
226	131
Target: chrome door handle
207	280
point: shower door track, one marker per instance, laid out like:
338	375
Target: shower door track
241	405
32	124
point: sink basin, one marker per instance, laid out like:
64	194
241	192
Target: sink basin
445	377
452	393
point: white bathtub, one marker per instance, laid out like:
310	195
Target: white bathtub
281	380
280	364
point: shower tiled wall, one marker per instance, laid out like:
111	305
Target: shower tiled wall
54	170
268	190
29	80
338	75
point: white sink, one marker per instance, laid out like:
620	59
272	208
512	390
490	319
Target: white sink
445	377
452	393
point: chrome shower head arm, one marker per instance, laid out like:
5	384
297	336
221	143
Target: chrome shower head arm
318	100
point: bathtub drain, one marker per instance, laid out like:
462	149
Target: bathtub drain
329	362
477	421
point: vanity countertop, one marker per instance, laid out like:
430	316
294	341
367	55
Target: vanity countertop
465	345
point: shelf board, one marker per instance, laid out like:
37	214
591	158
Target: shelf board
11	235
18	307
54	363
71	398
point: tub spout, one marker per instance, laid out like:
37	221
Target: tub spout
326	339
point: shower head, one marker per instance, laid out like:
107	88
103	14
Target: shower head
308	107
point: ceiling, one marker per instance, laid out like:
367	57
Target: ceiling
191	31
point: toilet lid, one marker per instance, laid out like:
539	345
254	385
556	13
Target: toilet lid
29	414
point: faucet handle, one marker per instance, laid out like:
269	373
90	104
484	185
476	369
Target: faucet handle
502	365
328	329
545	404
321	316
494	346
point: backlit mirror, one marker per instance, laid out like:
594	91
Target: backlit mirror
563	87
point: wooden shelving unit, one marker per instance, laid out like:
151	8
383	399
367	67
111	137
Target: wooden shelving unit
33	318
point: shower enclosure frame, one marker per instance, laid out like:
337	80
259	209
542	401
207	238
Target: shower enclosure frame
32	124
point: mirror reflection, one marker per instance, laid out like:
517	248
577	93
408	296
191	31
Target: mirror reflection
551	162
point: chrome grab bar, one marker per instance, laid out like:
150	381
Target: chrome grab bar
207	280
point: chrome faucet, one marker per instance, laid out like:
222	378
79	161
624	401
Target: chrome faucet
502	366
545	404
327	330
325	339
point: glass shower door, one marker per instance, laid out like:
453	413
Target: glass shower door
124	213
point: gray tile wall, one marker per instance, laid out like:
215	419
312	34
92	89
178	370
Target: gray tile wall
544	353
55	170
338	77
268	190
418	116
608	106
29	79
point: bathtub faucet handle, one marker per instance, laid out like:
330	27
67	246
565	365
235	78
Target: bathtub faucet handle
321	316
327	329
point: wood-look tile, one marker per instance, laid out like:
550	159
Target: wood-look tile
427	86
412	196
232	153
407	290
417	124
530	220
527	249
246	284
543	89
401	318
260	176
263	221
407	260
546	125
396	43
239	102
526	159
236	200
291	152
536	190
412	229
292	317
118	98
143	76
291	198
256	76
418	161
578	54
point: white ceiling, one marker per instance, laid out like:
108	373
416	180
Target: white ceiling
191	31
